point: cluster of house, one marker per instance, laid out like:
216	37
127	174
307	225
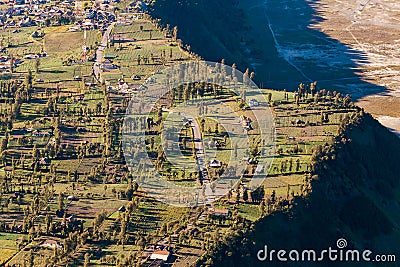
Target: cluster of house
94	18
122	38
6	62
33	12
43	12
108	64
24	133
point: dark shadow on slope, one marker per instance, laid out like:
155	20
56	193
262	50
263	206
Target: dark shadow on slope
358	203
272	38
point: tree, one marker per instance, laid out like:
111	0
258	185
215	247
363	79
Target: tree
87	260
235	150
313	88
269	97
233	71
159	115
122	234
30	258
246	75
11	64
37	65
152	143
130	190
202	124
175	34
258	194
216	128
261	208
28	79
237	196
245	195
48	221
60	202
273	196
184	143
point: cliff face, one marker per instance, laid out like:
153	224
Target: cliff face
211	28
355	196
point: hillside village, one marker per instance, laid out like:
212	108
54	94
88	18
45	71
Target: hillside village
67	196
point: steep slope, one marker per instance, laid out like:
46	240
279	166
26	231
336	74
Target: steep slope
212	28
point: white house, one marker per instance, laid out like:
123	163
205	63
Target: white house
160	255
215	163
53	244
259	169
253	103
222	212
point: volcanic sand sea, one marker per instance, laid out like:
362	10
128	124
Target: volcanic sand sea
346	47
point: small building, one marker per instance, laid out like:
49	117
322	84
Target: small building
259	169
160	255
35	34
18	136
107	61
291	138
122	39
122	209
215	163
253	103
222	212
45	161
78	98
109	66
53	244
123	85
110	56
71	198
246	123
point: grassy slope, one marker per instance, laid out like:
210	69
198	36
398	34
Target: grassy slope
356	197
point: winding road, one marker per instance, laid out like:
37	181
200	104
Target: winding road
201	162
100	51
